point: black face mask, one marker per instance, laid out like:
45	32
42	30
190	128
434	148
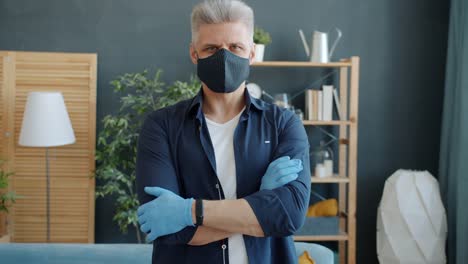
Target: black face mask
223	72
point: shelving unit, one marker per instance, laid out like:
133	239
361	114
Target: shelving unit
346	178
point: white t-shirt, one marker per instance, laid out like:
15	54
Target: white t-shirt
222	137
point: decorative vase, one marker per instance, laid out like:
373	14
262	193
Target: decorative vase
322	161
259	52
411	220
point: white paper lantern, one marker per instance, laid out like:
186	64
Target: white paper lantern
411	220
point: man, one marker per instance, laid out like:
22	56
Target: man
223	177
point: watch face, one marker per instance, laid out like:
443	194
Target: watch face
254	90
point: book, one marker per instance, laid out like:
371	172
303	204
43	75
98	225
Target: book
314	104
337	104
320	105
327	102
308	105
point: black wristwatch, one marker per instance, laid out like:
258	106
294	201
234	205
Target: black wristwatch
199	212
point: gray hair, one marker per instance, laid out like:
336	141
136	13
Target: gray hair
221	11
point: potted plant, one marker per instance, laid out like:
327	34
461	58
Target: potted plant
261	38
7	198
117	141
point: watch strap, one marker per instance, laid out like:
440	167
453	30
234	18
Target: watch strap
199	212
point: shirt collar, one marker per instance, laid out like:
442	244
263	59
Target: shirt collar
197	101
249	100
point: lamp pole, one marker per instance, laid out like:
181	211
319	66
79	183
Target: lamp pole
47	196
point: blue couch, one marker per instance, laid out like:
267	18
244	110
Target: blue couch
12	253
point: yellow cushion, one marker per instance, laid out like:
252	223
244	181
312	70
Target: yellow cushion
323	208
305	258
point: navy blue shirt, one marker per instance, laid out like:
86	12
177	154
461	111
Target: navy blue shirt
175	152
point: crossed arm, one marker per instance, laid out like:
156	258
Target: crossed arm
261	214
169	212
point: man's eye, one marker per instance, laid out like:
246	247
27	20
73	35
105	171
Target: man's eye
210	49
236	47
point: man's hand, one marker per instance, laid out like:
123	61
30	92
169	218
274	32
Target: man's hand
280	172
167	214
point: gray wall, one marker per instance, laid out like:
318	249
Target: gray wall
401	44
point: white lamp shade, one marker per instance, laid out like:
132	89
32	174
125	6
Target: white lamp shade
45	121
411	220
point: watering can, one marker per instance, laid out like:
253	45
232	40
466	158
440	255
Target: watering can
318	51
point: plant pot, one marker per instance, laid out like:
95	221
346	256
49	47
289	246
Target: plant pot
4	232
259	51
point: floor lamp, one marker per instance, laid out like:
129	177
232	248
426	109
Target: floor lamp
46	124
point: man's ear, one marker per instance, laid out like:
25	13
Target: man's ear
193	54
252	54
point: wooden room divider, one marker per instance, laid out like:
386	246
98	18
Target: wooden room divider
71	169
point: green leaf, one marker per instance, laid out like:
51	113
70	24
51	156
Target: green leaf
140	94
261	36
6	198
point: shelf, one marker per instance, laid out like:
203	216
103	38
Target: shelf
342	228
326	123
301	64
341	237
330	179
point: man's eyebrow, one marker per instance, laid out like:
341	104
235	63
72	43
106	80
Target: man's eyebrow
237	43
217	45
209	45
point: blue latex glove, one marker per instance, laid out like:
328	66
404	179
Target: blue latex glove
167	214
280	172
